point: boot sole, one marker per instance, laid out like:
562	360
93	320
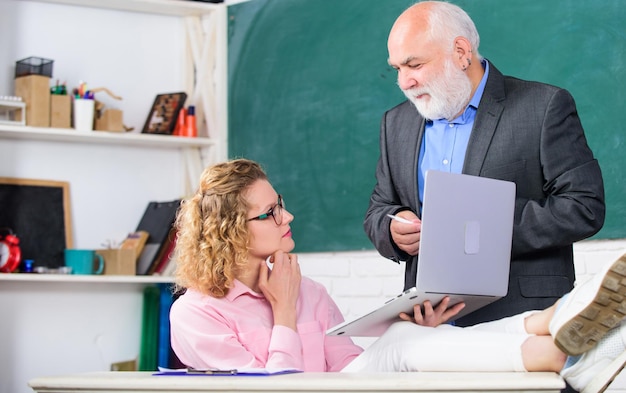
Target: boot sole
604	312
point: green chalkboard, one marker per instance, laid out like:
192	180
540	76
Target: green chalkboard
309	82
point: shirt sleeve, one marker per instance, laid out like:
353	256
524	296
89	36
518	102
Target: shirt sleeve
285	349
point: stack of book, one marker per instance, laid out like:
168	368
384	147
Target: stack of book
156	348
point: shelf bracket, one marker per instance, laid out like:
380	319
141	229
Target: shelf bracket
206	67
193	167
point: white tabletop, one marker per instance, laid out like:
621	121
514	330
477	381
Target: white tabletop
302	382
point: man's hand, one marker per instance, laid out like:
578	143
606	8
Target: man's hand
407	236
433	316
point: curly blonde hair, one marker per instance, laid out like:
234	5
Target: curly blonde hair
212	231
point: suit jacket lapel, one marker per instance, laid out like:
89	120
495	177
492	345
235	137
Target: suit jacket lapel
420	140
487	117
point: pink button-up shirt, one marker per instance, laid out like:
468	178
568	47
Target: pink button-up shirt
237	331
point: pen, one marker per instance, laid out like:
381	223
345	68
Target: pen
211	371
400	219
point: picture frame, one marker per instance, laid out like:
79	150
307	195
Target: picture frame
164	113
38	213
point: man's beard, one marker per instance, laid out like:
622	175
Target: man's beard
448	93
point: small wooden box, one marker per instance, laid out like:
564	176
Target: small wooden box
118	261
35	92
60	111
110	120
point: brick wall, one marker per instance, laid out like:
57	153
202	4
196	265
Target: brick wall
362	280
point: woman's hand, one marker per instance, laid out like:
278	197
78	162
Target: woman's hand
281	287
433	316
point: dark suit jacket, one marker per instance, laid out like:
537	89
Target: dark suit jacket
525	132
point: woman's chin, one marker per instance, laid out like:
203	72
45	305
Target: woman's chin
288	244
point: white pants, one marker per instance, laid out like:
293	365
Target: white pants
406	346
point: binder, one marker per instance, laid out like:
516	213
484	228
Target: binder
164	345
164	258
148	355
157	220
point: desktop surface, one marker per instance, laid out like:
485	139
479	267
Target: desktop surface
123	382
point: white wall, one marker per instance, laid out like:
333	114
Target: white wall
50	328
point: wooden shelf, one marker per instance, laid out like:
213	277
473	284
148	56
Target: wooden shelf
101	137
78	278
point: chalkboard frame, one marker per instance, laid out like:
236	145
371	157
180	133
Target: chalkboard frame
48	251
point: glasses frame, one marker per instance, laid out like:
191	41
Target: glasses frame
276	210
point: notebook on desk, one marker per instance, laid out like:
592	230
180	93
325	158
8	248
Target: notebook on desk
465	250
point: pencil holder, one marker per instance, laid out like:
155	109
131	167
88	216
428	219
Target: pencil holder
35	92
83	114
34	66
60	111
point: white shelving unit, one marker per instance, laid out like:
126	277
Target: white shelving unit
196	152
57	324
204	67
76	278
66	135
165	7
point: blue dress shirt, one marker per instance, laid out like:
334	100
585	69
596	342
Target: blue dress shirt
445	142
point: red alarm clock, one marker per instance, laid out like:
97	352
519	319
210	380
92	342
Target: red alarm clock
10	253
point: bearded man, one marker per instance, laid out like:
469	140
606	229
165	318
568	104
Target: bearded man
463	116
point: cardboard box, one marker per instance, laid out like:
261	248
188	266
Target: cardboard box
119	261
60	111
35	92
110	120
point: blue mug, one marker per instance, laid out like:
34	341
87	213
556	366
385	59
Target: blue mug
84	261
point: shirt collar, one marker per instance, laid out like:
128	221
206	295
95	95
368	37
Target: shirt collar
240	289
478	94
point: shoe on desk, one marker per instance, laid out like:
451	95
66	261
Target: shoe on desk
594	370
591	309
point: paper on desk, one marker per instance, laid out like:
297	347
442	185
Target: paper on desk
234	372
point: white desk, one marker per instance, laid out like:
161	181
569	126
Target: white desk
126	382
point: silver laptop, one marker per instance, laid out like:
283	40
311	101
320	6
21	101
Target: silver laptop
465	250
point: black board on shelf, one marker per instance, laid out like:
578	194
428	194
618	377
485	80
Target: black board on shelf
157	220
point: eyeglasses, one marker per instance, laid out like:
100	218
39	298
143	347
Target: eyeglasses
275	212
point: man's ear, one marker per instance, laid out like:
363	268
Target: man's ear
463	52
